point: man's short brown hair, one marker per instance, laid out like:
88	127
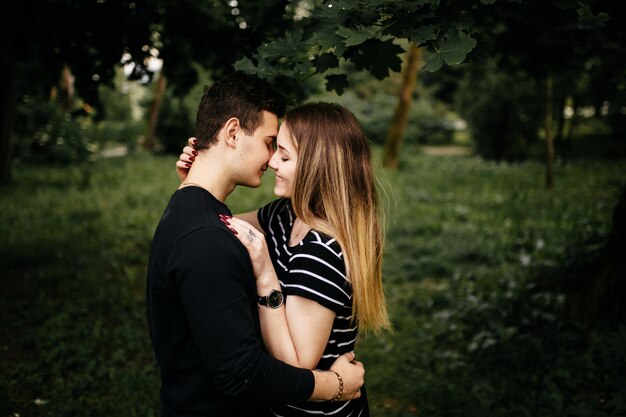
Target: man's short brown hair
236	95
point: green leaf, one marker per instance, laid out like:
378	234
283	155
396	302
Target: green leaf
414	5
462	23
245	64
452	50
421	34
433	62
325	61
289	45
566	4
456	48
340	49
303	67
355	36
586	16
378	57
337	82
325	39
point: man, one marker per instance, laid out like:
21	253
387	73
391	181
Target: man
201	292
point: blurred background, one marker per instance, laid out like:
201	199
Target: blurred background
498	129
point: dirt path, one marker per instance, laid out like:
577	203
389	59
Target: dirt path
445	150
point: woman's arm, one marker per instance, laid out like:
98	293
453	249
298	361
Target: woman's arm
186	158
251	217
297	332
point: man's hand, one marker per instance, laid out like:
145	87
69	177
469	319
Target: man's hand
353	374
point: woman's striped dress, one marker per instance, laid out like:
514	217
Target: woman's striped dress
313	269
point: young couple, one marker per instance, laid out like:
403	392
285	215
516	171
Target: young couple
258	314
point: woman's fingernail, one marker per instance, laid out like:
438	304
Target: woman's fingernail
195	142
192	158
225	222
194	153
188	165
233	230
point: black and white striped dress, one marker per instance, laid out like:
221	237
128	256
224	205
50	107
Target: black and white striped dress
313	269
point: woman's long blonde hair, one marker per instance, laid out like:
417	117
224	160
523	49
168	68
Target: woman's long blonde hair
335	192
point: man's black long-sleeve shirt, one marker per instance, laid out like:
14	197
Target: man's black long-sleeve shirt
203	318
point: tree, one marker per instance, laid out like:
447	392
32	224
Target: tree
557	43
213	34
362	34
551	40
595	289
88	38
503	110
40	38
401	114
7	116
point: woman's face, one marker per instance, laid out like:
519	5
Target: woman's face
284	162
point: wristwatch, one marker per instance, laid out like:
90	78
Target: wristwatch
274	299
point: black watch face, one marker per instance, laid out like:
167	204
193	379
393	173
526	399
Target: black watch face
275	299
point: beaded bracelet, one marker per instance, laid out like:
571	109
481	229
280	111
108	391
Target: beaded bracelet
340	393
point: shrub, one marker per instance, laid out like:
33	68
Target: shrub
429	122
503	111
175	123
48	134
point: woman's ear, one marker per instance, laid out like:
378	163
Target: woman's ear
231	128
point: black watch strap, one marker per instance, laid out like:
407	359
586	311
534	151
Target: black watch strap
274	299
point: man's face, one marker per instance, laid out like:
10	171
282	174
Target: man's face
256	150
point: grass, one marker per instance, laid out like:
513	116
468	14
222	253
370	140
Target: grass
467	239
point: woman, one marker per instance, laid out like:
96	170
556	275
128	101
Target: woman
320	243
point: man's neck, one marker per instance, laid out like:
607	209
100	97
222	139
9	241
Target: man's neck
209	173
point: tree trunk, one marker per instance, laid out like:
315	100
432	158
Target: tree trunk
65	95
559	145
8	103
549	134
150	142
597	290
393	141
560	129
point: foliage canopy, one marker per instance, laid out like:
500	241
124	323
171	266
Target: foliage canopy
363	34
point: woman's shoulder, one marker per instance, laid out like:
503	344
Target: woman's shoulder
317	271
318	242
278	204
319	252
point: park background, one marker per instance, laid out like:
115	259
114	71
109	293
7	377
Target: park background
498	132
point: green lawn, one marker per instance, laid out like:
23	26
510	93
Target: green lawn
466	240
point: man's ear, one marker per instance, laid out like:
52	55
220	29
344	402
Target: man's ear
231	128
